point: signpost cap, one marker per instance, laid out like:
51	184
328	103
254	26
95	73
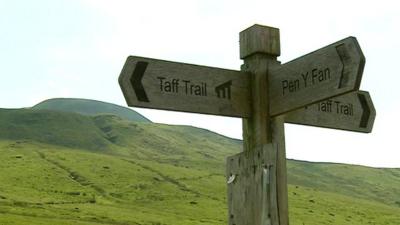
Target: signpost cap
259	39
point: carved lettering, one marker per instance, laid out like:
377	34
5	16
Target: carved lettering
189	88
305	79
338	107
289	86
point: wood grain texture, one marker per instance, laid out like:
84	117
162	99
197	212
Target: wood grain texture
328	72
259	39
256	128
185	87
260	130
278	137
354	111
252	194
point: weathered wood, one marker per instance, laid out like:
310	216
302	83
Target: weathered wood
325	73
259	39
159	84
278	137
330	71
252	190
258	130
353	111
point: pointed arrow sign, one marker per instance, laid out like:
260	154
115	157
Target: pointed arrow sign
159	84
136	81
330	71
353	111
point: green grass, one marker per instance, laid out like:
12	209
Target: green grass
67	184
314	207
381	185
154	174
61	185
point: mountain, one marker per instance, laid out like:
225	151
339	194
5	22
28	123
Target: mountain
90	107
67	168
52	127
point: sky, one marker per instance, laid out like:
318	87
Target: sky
77	48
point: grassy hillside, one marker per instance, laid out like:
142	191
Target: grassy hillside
153	174
52	127
90	107
381	185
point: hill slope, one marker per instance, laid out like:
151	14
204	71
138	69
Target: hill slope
90	107
153	174
52	127
381	185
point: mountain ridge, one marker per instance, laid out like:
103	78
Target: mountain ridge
90	107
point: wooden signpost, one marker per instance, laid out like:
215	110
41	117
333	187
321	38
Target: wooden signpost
318	89
151	83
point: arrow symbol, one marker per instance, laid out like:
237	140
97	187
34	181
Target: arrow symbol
366	110
344	59
136	81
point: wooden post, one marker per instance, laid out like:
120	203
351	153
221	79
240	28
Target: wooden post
257	188
278	137
259	47
252	187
